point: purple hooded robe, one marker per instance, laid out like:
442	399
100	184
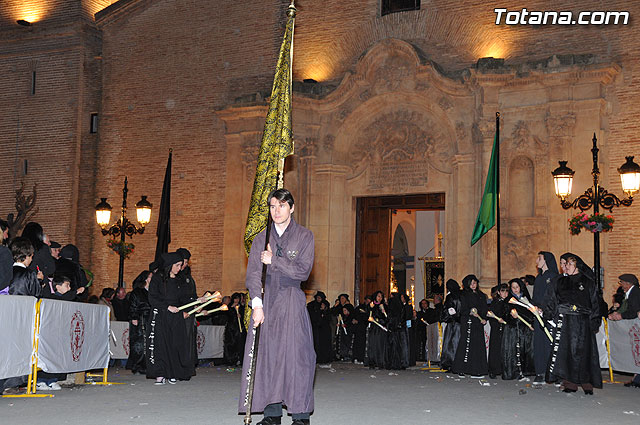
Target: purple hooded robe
285	367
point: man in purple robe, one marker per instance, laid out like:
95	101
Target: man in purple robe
286	359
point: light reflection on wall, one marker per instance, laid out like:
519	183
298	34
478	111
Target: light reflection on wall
32	10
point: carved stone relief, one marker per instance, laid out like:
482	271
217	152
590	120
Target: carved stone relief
249	156
523	239
396	148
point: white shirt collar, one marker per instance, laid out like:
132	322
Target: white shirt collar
626	294
19	264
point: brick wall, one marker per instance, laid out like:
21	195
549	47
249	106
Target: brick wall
165	66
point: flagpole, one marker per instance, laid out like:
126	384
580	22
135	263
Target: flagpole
498	197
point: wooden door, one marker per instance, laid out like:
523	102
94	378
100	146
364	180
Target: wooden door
375	247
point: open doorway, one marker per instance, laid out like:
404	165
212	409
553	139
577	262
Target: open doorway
395	231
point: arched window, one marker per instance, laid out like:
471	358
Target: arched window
521	187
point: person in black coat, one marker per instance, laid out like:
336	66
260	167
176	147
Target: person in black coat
471	354
574	308
139	313
398	339
42	259
377	337
24	281
60	289
517	337
359	321
235	333
499	308
630	306
547	275
320	316
168	347
451	317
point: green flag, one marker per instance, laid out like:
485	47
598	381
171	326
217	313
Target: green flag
487	213
277	138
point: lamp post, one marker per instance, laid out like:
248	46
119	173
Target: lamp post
123	227
596	196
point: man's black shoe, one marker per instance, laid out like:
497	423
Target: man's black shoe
270	420
300	422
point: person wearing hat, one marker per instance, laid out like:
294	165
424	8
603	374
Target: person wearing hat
55	249
167	347
630	307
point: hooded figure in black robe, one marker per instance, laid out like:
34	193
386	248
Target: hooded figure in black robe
139	313
377	337
398	339
574	308
320	315
188	285
517	338
499	308
547	275
235	333
471	355
450	316
360	323
168	346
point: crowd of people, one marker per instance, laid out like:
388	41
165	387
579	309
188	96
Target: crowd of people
162	336
548	337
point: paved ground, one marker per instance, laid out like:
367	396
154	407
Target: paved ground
345	394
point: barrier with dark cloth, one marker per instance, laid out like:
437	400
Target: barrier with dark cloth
209	341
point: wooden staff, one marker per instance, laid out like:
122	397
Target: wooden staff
253	352
374	321
474	313
223	307
341	324
493	316
201	306
216	296
515	314
526	304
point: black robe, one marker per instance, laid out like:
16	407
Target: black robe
235	336
168	345
517	344
140	310
420	332
451	335
321	328
573	306
471	354
360	315
377	338
345	334
398	339
541	343
188	285
499	308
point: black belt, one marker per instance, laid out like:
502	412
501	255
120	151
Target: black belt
573	309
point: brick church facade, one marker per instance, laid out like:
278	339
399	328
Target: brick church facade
395	104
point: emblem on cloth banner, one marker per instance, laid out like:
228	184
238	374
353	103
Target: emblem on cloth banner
76	332
486	339
634	334
125	341
200	340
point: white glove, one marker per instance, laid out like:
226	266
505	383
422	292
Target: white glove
452	311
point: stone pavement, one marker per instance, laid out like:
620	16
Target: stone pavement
345	394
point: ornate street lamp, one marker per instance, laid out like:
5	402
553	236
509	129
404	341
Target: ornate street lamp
596	196
123	227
